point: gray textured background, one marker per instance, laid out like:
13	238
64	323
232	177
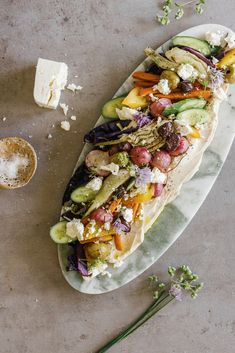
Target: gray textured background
102	42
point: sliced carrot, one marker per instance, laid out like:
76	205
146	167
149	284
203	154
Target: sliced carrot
144	83
118	242
135	209
113	205
146	76
204	93
143	92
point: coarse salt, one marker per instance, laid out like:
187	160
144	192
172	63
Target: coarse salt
10	167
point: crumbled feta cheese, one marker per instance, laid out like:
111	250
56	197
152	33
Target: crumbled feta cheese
97	267
49	136
75	229
230	40
126	113
4	118
73	117
92	227
95	184
127	214
64	107
112	167
214	38
107	226
157	176
187	71
65	125
162	86
153	98
73	87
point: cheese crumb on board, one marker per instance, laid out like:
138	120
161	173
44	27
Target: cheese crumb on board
64	107
73	117
4	118
65	125
9	168
73	87
50	79
49	136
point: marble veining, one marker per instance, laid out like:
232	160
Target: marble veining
177	215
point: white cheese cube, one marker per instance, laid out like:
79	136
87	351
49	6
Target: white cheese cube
50	79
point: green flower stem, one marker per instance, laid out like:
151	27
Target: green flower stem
163	300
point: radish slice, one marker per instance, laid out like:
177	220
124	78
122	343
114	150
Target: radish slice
97	159
157	107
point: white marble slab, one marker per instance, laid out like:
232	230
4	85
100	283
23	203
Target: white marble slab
177	215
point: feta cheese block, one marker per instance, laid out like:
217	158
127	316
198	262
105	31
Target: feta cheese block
50	79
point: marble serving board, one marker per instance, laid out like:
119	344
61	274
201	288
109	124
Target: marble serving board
176	215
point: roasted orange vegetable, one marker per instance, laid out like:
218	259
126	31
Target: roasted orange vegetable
203	93
113	205
227	60
133	100
98	239
144	84
146	76
96	236
118	242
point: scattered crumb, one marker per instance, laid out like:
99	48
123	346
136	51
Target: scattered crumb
73	117
4	118
30	136
76	76
36	300
65	125
49	136
53	125
64	107
73	87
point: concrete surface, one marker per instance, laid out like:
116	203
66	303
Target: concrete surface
101	41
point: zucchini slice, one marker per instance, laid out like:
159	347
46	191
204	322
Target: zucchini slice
195	43
194	116
109	109
58	233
